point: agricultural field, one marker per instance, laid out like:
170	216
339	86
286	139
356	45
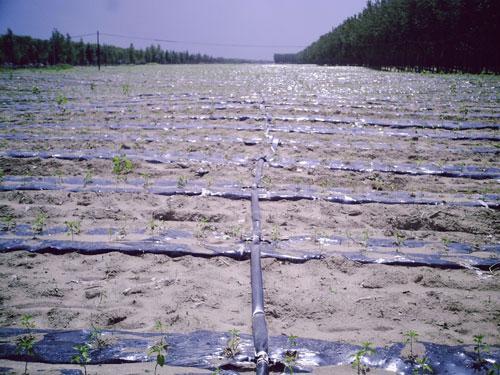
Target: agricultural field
125	199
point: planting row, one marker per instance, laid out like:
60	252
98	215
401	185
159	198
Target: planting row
216	351
457	171
236	191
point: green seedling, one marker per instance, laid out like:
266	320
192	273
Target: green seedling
110	234
147	179
159	349
97	339
39	224
61	99
399	238
357	363
275	233
182	182
202	227
25	343
82	358
217	371
122	166
125	89
232	344
411	338
446	241
292	341
72	228
8	222
422	367
2	174
291	354
480	349
88	178
59	175
235	231
92	86
35	90
366	237
152	226
266	182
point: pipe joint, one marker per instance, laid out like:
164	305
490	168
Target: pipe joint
261	357
258	310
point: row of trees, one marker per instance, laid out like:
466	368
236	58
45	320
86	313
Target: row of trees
443	35
59	49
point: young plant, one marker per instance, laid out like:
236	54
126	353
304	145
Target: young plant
357	363
8	222
159	349
82	357
122	166
39	223
147	180
88	178
59	176
291	354
182	182
232	344
399	238
275	233
202	227
72	228
61	100
153	226
411	338
25	343
125	89
480	349
235	231
97	339
423	366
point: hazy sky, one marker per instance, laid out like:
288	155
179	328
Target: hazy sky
255	23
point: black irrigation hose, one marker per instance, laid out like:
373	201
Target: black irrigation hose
259	325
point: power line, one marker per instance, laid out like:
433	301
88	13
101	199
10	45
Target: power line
202	43
81	36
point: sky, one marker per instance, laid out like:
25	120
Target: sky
249	29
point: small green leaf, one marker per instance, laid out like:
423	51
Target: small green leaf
160	359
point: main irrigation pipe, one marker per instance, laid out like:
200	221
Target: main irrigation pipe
259	325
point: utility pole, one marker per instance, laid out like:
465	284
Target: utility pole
98	52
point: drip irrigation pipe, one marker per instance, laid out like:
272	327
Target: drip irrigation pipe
259	325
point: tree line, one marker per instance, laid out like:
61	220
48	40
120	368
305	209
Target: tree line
437	35
18	50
